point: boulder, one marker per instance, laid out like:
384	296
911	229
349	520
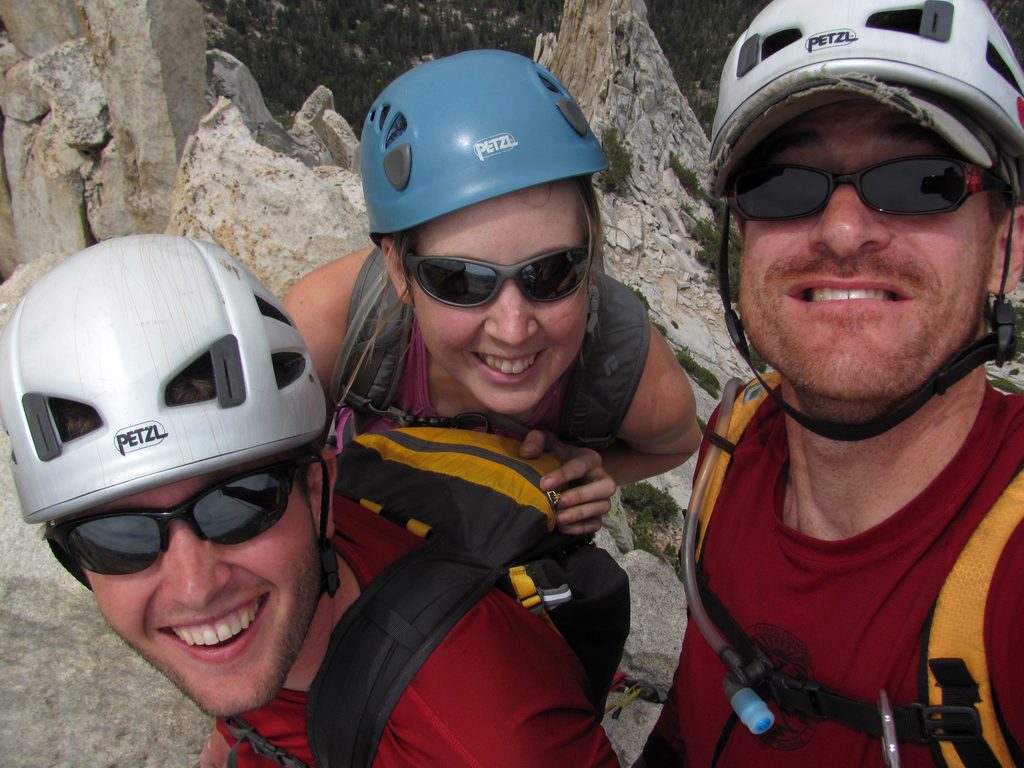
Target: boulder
46	189
70	82
228	77
152	58
39	25
274	213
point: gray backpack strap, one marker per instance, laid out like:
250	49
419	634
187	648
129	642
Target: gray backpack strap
370	361
614	352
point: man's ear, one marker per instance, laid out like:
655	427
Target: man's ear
396	271
1016	252
314	483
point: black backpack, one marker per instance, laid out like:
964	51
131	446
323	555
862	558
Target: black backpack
487	525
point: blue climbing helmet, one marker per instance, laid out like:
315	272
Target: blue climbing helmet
462	129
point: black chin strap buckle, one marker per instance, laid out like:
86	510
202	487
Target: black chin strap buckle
329	563
734	326
1003	322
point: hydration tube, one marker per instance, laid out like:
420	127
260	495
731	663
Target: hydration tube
746	703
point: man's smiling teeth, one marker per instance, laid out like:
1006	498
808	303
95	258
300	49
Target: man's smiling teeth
509	366
839	294
225	629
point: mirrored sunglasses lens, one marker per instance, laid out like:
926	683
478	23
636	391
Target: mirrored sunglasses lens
456	282
243	509
116	545
915	185
780	192
555	275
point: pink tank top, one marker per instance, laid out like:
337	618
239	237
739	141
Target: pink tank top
413	397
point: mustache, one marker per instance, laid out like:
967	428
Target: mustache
908	273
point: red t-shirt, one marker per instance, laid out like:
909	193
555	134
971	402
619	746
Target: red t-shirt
847	614
502	689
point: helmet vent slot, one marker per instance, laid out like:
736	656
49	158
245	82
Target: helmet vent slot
779	40
998	63
269	310
398	127
933	21
73	419
907	21
549	85
214	374
194	384
288	367
383	116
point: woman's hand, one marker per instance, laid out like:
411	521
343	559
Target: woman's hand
585	487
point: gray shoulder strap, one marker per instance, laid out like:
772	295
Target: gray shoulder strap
614	353
370	361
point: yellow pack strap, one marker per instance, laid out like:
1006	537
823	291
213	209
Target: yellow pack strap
414	526
525	589
958	626
478	457
743	410
533	598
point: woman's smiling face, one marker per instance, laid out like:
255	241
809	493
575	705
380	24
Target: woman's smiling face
505	355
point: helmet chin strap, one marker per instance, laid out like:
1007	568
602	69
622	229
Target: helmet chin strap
330	579
999	345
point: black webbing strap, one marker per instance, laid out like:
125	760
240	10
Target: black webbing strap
247	734
723	738
717	439
959	688
916	722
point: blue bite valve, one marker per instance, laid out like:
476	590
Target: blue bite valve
751	710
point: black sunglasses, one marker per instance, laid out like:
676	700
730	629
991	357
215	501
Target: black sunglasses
129	540
906	185
467	283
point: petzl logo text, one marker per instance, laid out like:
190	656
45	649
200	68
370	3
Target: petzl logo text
831	39
139	436
495	145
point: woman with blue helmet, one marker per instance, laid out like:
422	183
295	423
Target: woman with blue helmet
477	168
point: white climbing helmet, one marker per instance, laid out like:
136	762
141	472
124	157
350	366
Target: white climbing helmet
110	329
947	64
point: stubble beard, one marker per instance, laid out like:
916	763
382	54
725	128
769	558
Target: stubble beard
284	654
835	384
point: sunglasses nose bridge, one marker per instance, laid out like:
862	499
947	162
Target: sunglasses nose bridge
188	522
835	180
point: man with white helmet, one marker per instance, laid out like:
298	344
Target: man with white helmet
164	415
855	559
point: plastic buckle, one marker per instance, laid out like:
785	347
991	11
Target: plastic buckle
798	696
949	722
555	596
